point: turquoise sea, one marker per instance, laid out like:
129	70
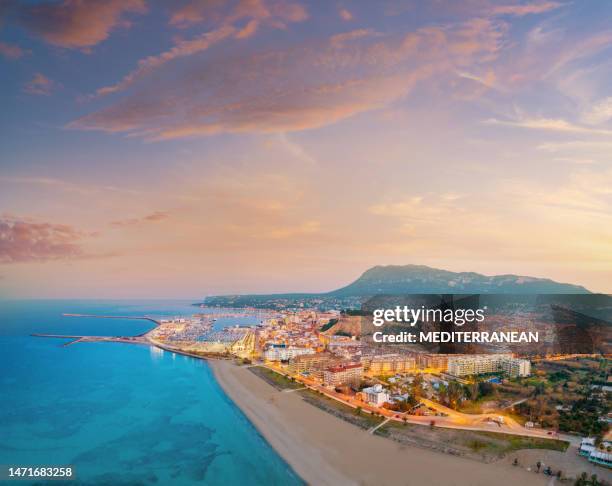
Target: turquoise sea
121	414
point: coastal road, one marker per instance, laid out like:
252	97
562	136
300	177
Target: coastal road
487	422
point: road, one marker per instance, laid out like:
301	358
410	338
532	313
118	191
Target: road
485	422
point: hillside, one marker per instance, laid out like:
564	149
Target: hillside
420	279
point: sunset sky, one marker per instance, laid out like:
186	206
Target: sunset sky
179	149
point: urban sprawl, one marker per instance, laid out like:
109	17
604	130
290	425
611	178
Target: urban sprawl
471	391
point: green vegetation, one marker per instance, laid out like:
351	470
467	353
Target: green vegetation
331	323
278	381
585	480
485	446
565	395
342	333
355	416
584	417
518	442
356	312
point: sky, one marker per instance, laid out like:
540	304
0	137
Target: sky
155	149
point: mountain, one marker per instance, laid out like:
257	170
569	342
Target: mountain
420	279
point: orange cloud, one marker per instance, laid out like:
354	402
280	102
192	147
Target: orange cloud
39	85
77	24
297	88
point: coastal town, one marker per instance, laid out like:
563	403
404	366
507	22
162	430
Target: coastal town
548	401
546	414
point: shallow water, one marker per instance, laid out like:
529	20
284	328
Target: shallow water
120	413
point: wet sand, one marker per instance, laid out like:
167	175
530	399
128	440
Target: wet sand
325	450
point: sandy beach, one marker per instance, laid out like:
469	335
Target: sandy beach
325	450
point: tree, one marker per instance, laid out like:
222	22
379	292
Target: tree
472	391
417	386
582	480
485	388
455	394
540	388
443	393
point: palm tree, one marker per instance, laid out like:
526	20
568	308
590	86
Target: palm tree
582	480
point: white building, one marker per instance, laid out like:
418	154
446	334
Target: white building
516	367
477	364
375	395
589	450
282	353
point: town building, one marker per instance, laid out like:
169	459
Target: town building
478	364
344	374
312	364
436	362
516	367
284	353
589	450
375	395
388	364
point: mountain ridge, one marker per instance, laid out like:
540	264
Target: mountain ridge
421	279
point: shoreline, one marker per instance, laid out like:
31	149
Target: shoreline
325	450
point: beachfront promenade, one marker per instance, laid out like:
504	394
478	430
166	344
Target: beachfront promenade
452	419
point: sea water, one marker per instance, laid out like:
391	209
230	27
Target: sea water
121	414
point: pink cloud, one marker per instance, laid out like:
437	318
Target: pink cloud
521	10
297	88
345	14
39	85
249	30
150	218
196	11
183	48
11	51
273	12
77	24
23	241
276	12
